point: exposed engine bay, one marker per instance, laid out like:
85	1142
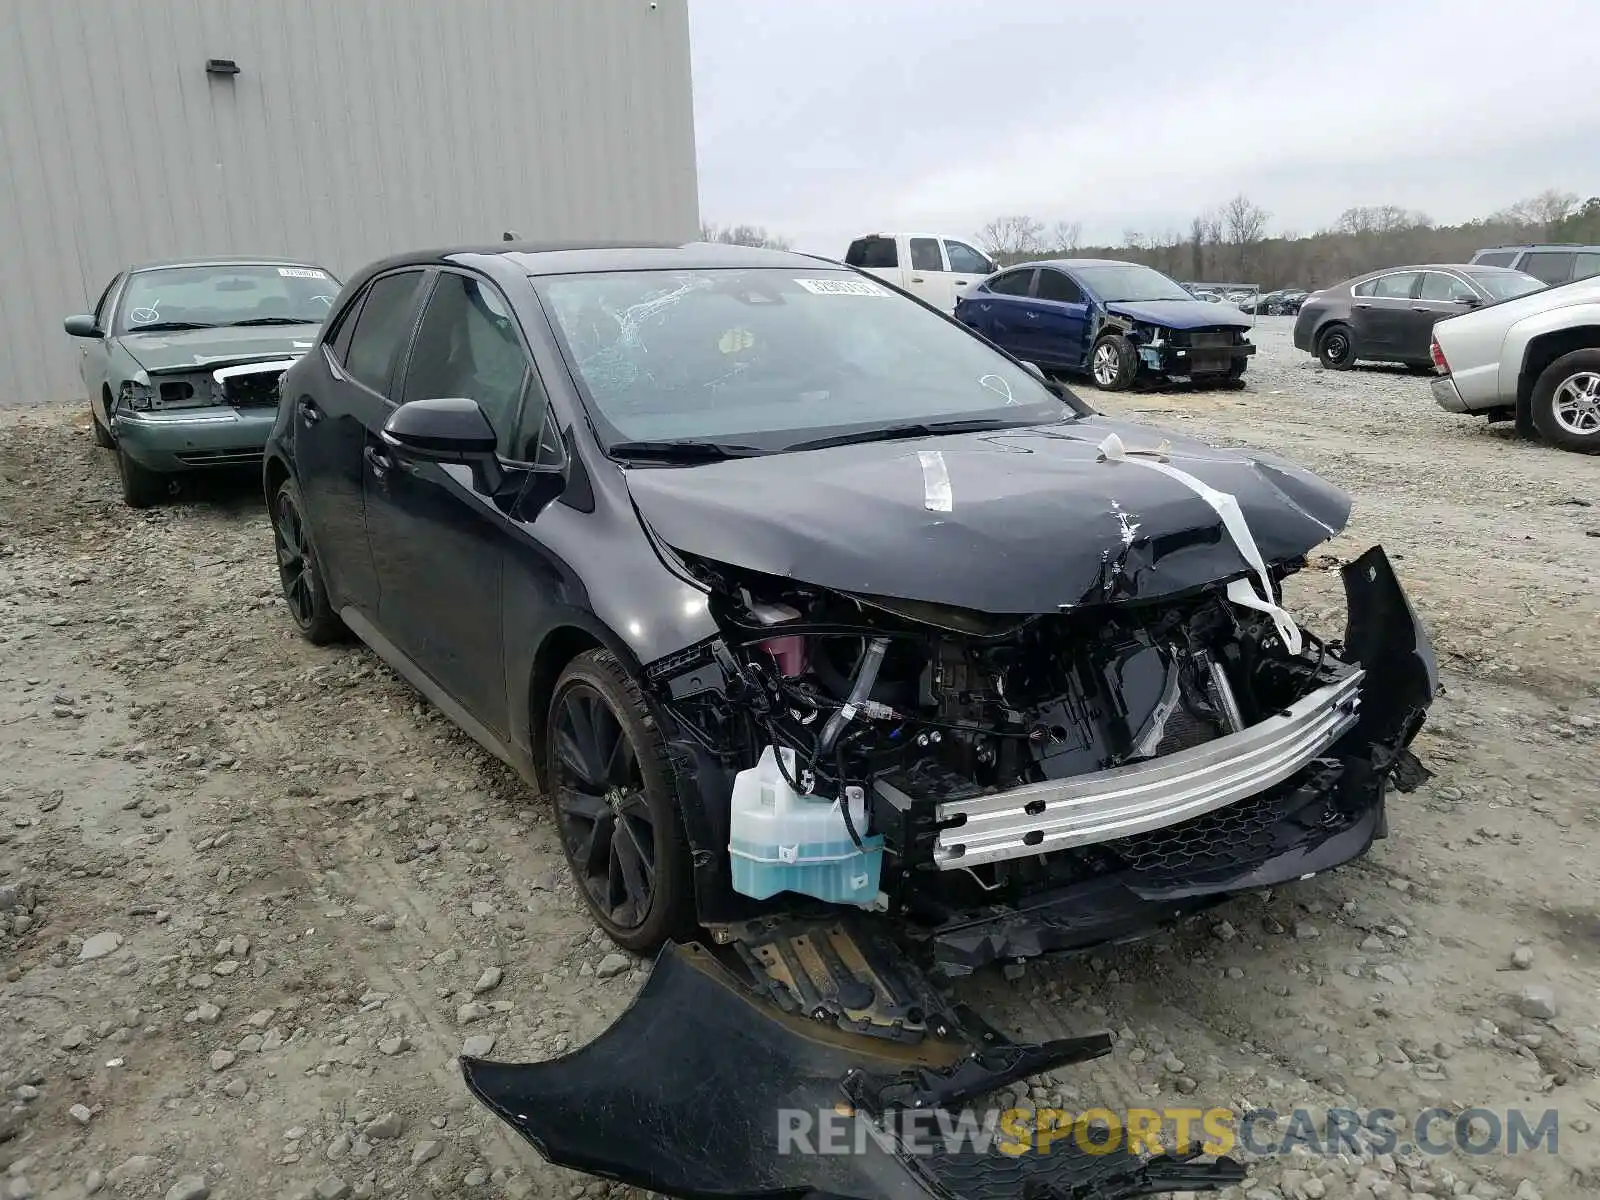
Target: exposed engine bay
1168	745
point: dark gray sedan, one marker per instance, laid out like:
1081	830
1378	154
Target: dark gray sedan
181	361
1388	315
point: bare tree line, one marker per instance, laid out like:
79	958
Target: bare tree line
744	235
1230	243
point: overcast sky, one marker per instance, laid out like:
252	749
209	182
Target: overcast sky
821	119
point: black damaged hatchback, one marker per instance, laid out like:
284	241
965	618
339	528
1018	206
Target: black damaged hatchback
849	654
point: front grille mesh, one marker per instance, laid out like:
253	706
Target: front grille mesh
1238	836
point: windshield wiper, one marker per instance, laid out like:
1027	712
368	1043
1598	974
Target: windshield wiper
685	451
169	326
917	429
278	321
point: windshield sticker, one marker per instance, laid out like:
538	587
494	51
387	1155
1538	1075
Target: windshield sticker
301	273
734	340
842	287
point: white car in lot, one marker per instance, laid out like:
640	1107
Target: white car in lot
934	268
1535	359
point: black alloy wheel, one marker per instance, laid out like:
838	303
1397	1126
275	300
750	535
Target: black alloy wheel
298	573
619	826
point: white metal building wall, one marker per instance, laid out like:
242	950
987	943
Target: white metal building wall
355	128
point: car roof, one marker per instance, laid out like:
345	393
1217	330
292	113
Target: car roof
949	237
1431	267
1082	262
576	257
223	260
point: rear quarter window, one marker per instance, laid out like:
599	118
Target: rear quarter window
873	253
1495	258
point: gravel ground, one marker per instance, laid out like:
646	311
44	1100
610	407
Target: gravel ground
255	896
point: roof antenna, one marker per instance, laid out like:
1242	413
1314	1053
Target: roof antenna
508	236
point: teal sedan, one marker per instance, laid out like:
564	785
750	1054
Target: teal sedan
181	362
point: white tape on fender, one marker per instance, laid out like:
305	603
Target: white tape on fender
1240	591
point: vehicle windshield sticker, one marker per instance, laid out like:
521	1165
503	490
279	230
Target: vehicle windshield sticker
842	287
301	273
734	340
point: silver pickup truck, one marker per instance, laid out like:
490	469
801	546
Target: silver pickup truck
1535	359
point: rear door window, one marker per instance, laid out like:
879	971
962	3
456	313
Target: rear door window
1586	266
1012	283
1552	266
925	255
382	327
1397	286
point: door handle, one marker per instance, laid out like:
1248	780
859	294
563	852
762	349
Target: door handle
309	412
916	279
380	462
1032	316
1420	309
1361	306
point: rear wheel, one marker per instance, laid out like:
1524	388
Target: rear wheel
1336	348
1114	363
616	808
299	573
141	487
1566	401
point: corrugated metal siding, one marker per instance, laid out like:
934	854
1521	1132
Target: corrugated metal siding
355	128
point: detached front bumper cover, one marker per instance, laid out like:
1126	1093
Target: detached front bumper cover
690	1093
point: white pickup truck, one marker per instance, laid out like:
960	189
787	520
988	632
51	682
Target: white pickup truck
934	268
1535	359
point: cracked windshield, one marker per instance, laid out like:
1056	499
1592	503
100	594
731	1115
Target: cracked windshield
774	358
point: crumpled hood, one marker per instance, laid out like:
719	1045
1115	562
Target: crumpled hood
1181	314
194	349
1034	522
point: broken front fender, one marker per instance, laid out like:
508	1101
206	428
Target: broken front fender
702	1089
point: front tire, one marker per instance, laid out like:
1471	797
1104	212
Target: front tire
102	435
299	572
1336	348
1113	364
1566	401
608	775
141	487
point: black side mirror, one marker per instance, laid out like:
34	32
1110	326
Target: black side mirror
81	326
449	429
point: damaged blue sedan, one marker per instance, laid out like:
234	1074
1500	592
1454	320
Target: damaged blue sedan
1119	323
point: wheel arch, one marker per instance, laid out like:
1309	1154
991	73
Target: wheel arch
1545	348
561	644
273	473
